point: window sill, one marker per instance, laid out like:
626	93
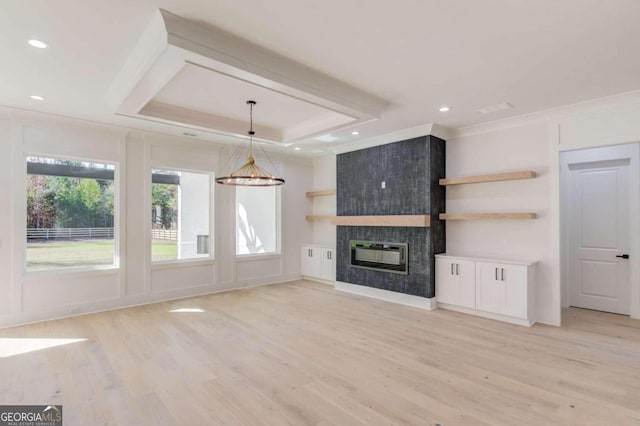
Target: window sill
252	257
182	263
87	271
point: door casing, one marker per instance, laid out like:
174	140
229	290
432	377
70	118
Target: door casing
607	153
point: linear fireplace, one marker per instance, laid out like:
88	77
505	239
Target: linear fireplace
411	170
379	256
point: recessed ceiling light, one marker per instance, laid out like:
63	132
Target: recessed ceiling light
445	108
297	148
36	98
37	43
355	133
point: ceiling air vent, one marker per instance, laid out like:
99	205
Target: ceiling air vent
326	138
495	108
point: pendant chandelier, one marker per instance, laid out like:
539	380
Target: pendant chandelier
250	174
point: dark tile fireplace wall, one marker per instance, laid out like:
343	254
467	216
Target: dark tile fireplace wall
411	170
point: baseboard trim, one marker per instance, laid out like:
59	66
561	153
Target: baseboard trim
497	317
318	280
388	296
62	312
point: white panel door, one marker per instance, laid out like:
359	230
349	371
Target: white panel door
447	282
599	226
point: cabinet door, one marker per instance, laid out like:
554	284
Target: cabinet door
466	272
447	282
328	264
515	278
310	262
490	289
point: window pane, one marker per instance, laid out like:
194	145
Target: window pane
180	215
70	214
256	220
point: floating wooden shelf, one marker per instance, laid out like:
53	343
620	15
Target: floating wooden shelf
422	221
321	193
528	174
486	216
316	218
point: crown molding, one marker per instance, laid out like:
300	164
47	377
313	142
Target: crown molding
399	135
46	119
171	44
550	115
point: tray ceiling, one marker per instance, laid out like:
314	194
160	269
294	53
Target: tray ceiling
194	75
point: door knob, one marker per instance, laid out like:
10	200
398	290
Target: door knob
623	256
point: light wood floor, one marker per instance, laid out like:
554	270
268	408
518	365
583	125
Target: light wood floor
301	353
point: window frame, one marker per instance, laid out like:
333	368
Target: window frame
22	216
210	259
278	251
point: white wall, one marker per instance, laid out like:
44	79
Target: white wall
531	142
606	122
6	213
512	149
257	212
38	296
324	177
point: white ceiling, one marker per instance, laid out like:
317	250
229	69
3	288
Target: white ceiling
415	54
199	89
214	101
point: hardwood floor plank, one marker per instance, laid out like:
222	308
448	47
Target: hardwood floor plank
301	353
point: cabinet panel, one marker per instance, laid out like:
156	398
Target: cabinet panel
455	282
466	271
310	261
491	293
328	264
516	291
447	282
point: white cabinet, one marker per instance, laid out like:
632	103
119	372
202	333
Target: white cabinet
318	262
500	289
328	264
310	261
490	288
455	282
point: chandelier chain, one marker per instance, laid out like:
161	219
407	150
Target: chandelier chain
251	132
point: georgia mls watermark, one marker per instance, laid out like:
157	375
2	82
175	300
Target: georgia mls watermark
30	415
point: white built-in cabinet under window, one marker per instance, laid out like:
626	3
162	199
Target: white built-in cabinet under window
257	220
181	220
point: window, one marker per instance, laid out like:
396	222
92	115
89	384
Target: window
70	214
180	215
257	220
